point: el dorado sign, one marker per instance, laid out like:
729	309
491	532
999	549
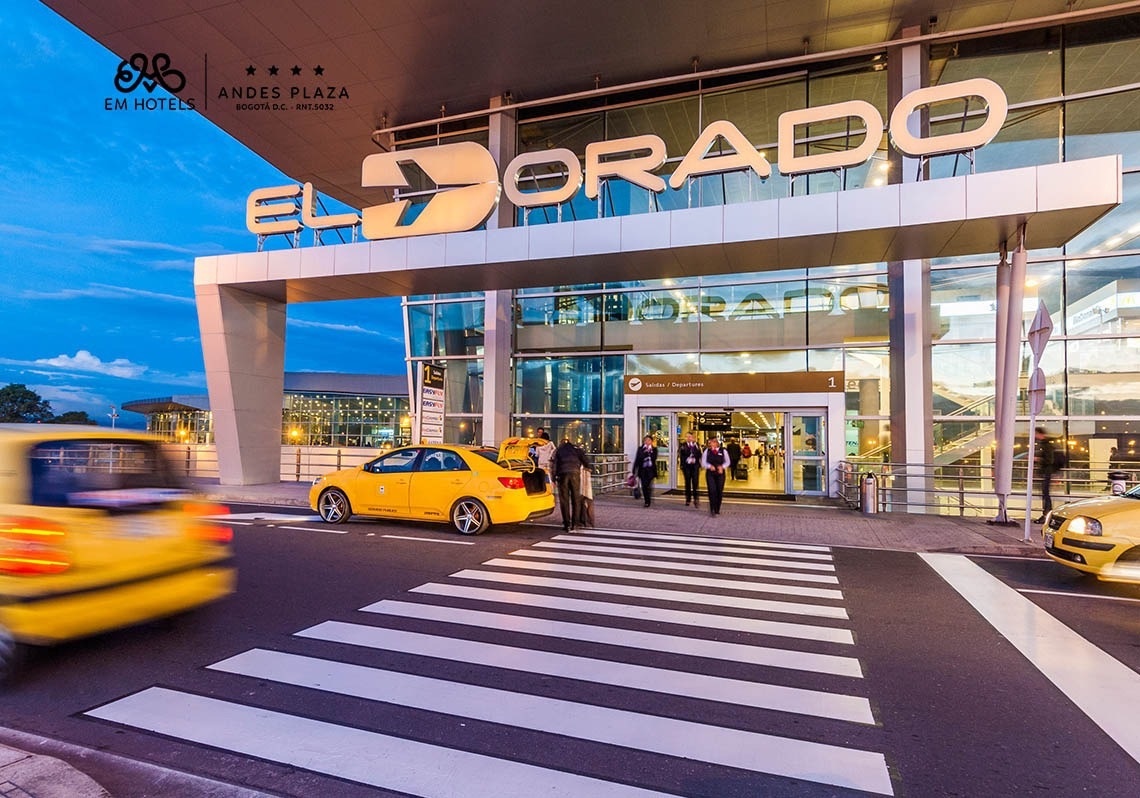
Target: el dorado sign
469	178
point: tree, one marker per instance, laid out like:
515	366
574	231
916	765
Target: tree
21	405
75	417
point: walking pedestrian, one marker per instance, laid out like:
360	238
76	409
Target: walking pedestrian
714	462
689	461
568	462
645	468
1048	463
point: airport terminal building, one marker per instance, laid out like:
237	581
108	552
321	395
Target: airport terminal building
824	234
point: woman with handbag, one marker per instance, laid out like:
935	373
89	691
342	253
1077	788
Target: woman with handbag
645	468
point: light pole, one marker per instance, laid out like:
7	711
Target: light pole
114	415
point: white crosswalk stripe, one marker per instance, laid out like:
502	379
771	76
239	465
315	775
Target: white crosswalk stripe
759	573
679	596
629	551
675	579
646	641
539	613
644	613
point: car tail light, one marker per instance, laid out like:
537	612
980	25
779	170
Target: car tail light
32	547
512	483
204	524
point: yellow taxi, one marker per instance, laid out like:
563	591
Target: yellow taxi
1099	536
469	487
97	533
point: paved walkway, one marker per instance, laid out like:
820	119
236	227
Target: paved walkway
23	773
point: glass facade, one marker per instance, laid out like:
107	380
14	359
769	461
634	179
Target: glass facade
1072	95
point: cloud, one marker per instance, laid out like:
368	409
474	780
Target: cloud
85	361
123	246
343	328
69	396
103	291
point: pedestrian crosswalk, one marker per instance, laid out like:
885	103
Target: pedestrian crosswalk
667	664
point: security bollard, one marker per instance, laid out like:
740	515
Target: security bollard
869	494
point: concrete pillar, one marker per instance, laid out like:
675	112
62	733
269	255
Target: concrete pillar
243	346
498	320
909	286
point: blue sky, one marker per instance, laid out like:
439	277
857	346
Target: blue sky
102	214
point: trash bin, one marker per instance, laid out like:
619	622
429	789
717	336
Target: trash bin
869	494
1117	482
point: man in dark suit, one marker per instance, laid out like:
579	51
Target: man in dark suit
567	464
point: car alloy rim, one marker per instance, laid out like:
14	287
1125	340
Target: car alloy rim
468	517
332	506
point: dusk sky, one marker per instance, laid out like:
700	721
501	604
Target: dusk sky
103	213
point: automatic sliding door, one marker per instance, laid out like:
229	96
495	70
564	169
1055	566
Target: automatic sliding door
808	464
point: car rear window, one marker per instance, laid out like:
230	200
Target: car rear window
490	454
98	472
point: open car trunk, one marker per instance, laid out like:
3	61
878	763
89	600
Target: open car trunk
517	455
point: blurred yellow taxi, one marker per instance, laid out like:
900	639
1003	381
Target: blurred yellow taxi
469	487
96	533
1098	536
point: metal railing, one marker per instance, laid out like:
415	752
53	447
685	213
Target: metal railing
305	463
968	490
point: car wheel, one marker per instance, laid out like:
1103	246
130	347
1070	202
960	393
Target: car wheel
334	507
11	655
470	517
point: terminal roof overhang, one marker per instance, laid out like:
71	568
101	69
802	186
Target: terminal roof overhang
928	219
405	60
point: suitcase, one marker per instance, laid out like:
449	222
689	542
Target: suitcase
585	512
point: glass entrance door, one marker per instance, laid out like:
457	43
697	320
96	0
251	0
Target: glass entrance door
659	427
808	463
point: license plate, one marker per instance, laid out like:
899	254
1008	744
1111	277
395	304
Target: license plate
148	526
1048	540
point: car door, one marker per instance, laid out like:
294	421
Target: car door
441	477
384	484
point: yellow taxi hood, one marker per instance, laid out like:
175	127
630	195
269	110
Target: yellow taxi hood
1101	507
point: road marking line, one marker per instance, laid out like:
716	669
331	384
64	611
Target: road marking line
1106	690
677	566
676	579
326	528
680	596
365	757
758	544
739	692
754	751
431	540
627	638
680	555
652	544
266	517
1077	595
703	620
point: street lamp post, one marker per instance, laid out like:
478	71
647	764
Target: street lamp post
113	415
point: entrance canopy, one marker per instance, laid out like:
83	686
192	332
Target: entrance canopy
928	219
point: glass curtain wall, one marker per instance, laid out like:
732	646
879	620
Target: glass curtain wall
1073	95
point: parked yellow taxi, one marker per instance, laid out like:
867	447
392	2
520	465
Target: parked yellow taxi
97	533
1099	536
471	487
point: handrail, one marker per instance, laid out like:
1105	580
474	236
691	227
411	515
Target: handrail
966	490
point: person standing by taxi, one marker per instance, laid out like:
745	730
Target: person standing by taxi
568	462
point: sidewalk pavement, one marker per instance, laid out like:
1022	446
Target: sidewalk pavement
822	523
28	774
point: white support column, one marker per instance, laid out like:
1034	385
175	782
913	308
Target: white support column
1008	373
498	318
243	346
908	282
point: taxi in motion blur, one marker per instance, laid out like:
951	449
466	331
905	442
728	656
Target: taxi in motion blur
97	533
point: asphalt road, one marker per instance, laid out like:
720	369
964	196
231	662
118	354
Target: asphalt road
525	660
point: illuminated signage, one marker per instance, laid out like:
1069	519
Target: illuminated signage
469	181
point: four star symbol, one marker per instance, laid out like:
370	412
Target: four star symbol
318	70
